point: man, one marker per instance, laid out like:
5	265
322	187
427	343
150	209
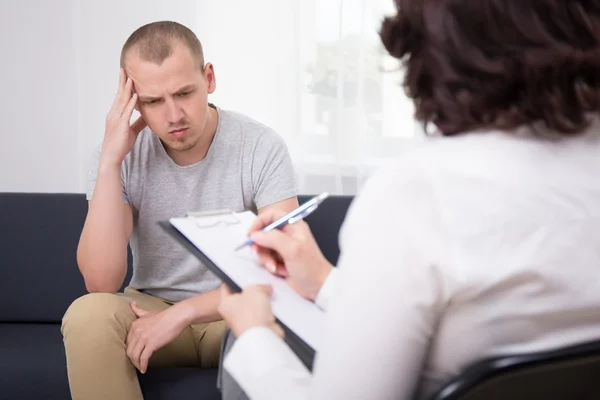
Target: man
192	156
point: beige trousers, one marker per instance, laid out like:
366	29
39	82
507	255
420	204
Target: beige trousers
94	332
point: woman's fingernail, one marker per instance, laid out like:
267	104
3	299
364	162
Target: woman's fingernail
271	267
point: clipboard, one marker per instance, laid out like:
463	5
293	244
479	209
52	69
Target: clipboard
223	218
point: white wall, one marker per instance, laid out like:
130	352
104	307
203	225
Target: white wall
253	51
59	71
38	106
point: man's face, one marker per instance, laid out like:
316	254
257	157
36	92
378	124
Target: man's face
173	96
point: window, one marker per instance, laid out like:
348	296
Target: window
327	85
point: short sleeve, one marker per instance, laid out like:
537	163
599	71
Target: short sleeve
92	175
273	177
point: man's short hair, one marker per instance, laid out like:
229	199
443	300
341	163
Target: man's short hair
154	42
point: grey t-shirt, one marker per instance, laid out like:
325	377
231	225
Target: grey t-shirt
247	167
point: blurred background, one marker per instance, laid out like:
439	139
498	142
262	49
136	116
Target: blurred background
314	70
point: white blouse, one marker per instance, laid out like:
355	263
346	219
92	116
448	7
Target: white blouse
467	247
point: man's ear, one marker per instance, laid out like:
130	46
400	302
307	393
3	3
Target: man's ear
209	76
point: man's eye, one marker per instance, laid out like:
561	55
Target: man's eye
152	101
183	94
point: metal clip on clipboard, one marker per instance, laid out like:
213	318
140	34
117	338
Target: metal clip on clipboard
226	217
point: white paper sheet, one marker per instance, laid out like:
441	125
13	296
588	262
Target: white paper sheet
218	243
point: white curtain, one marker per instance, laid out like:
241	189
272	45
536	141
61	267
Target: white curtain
315	71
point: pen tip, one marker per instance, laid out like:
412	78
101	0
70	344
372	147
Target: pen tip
241	246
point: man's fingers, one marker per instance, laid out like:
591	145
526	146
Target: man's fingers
129	340
138	125
124	97
136	353
128	111
137	310
122	79
145	359
132	342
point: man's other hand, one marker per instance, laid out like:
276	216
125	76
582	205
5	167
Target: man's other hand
150	332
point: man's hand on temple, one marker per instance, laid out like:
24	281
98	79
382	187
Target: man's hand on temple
120	136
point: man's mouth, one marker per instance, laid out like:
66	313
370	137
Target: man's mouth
178	131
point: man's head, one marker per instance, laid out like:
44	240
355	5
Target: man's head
166	63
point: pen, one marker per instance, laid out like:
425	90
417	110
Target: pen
293	216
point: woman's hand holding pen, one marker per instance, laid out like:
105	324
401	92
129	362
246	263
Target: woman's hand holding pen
292	253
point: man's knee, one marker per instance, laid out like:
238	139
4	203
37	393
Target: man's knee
97	312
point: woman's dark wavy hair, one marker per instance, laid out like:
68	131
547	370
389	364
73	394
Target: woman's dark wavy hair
499	64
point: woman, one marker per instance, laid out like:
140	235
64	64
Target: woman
484	241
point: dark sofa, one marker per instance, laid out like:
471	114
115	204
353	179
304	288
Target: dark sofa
39	279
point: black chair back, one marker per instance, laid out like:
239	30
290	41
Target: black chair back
571	373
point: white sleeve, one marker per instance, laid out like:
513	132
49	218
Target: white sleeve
382	315
266	368
390	294
327	290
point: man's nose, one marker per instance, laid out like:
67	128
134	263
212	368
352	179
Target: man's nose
174	112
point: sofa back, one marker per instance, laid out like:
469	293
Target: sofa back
39	233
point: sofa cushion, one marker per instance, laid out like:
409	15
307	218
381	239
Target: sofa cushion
180	384
32	362
33	366
38	243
